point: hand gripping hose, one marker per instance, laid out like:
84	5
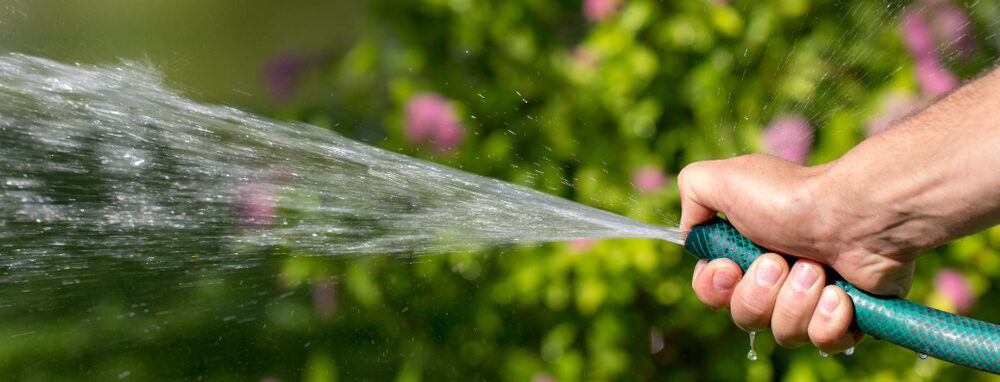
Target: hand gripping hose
925	330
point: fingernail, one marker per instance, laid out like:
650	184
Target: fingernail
723	280
828	301
803	277
768	273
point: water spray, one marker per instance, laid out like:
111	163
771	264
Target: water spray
106	162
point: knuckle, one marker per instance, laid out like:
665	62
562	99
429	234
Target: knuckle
754	306
686	174
789	340
787	315
825	336
755	157
788	326
823	341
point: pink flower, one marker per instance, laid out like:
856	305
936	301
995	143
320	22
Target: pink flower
934	78
648	179
597	10
543	377
917	35
583	56
925	27
325	299
951	24
281	75
895	108
431	120
956	289
789	137
254	203
581	245
933	24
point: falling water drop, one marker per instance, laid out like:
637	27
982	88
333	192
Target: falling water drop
849	351
922	355
752	354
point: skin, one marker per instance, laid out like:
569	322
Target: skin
932	178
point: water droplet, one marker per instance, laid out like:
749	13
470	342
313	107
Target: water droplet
752	354
656	342
823	354
922	355
849	351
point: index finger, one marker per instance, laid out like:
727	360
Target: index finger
695	186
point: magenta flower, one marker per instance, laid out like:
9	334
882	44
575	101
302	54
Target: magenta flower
917	35
956	289
933	24
281	74
543	377
789	137
254	203
431	120
648	179
925	28
934	78
583	56
581	245
951	24
597	10
325	299
894	109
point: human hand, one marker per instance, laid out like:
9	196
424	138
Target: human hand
787	207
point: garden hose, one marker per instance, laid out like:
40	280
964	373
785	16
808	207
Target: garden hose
925	330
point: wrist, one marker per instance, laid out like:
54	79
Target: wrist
866	206
831	210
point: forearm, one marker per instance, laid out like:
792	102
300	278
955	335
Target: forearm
930	179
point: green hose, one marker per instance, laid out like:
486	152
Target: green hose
925	330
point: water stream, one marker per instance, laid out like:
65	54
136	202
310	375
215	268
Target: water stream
107	162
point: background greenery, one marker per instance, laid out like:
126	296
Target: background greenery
546	97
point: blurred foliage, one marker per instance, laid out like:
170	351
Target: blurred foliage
574	106
212	49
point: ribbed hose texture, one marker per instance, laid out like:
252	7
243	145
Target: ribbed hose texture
939	334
